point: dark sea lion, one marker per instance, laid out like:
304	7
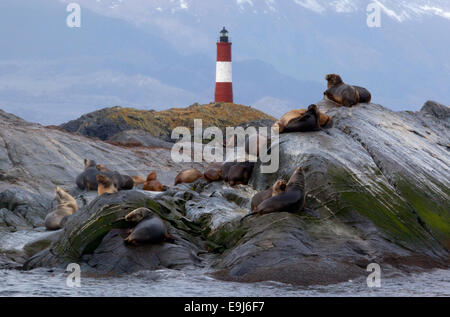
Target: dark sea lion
292	200
325	120
213	173
343	94
149	230
240	173
307	123
188	176
88	179
125	182
364	95
226	169
67	206
276	189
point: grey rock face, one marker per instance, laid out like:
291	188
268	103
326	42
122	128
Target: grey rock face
378	179
35	159
436	109
139	137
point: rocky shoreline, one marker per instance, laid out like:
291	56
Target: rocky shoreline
378	179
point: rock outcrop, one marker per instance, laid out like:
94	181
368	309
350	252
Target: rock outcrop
107	123
378	179
35	159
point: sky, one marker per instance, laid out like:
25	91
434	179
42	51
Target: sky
157	54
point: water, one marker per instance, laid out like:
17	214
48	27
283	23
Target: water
194	283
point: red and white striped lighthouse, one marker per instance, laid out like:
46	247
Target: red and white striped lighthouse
224	78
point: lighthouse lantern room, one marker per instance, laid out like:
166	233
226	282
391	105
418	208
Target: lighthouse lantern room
224	79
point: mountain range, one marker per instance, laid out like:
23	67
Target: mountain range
161	53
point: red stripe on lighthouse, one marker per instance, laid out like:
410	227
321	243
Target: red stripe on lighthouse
223	52
224	92
224	82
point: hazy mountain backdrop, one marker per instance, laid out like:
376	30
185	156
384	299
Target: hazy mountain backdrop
156	54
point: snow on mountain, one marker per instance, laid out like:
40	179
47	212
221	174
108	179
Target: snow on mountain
144	10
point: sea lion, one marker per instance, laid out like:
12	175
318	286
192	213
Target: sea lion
138	180
364	95
149	230
102	168
325	120
240	173
67	206
188	176
125	182
213	173
154	186
276	189
106	185
152	176
226	169
292	200
307	123
344	94
87	179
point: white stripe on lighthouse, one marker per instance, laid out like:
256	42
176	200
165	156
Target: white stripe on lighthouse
224	72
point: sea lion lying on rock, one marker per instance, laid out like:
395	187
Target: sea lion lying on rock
240	173
106	185
325	121
213	173
138	180
188	176
344	94
309	122
152	184
276	189
88	179
291	200
67	206
149	230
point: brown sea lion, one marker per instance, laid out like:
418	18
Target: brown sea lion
292	200
188	176
213	173
102	168
67	206
154	186
307	123
325	120
87	179
149	230
106	185
138	180
343	94
240	173
152	176
276	189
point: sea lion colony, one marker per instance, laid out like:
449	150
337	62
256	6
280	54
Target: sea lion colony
279	197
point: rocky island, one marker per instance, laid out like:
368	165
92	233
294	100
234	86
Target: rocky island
379	181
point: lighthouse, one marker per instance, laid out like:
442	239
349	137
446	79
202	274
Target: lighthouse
224	79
